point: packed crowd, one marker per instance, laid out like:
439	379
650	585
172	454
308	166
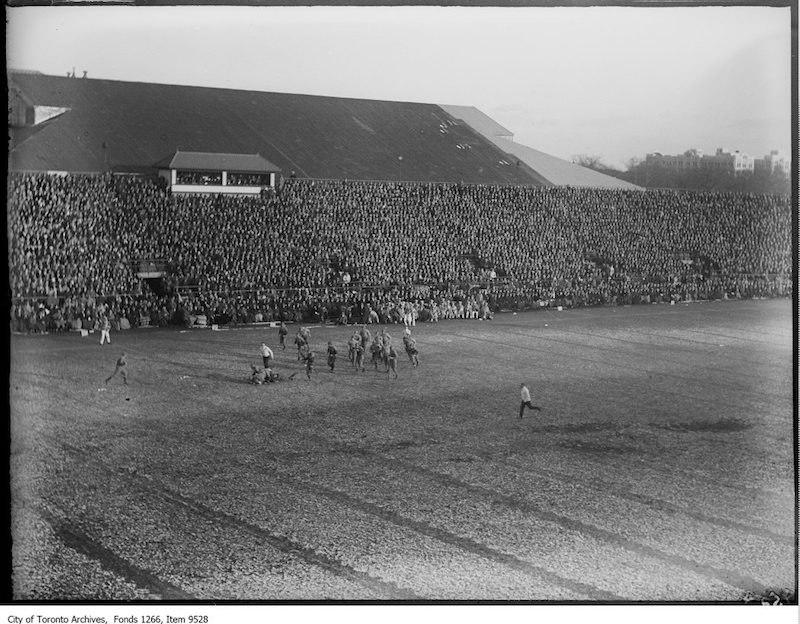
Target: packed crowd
377	252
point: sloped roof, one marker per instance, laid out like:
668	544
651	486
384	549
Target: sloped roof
127	126
556	171
211	161
479	120
561	172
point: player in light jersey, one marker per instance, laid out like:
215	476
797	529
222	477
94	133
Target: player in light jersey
266	355
352	344
525	396
359	357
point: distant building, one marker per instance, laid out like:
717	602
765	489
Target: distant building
732	162
774	161
690	160
736	162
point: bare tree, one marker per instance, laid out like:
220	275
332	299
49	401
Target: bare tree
590	161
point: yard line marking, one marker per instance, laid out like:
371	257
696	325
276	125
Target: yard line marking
284	544
643	499
447	537
79	541
731	577
652	502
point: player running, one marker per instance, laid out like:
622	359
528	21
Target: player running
525	395
411	349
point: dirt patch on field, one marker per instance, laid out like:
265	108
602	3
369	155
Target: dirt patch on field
598	447
724	425
580	427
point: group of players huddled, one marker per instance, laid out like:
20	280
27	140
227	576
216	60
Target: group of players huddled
382	352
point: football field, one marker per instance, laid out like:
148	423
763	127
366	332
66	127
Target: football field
660	468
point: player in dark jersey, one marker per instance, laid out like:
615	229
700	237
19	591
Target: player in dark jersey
331	356
352	344
376	350
391	361
301	343
283	331
309	360
411	349
121	368
257	376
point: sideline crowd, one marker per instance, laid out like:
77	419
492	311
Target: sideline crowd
376	252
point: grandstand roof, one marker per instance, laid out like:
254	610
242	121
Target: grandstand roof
205	161
478	120
128	126
560	172
554	170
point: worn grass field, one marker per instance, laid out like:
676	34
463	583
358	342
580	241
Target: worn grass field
661	467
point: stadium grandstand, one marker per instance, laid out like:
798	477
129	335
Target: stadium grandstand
349	210
88	125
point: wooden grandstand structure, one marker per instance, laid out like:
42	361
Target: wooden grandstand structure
207	172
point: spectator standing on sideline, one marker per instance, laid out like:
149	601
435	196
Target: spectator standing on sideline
105	330
525	395
282	332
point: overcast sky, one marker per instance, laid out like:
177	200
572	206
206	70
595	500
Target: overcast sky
617	82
